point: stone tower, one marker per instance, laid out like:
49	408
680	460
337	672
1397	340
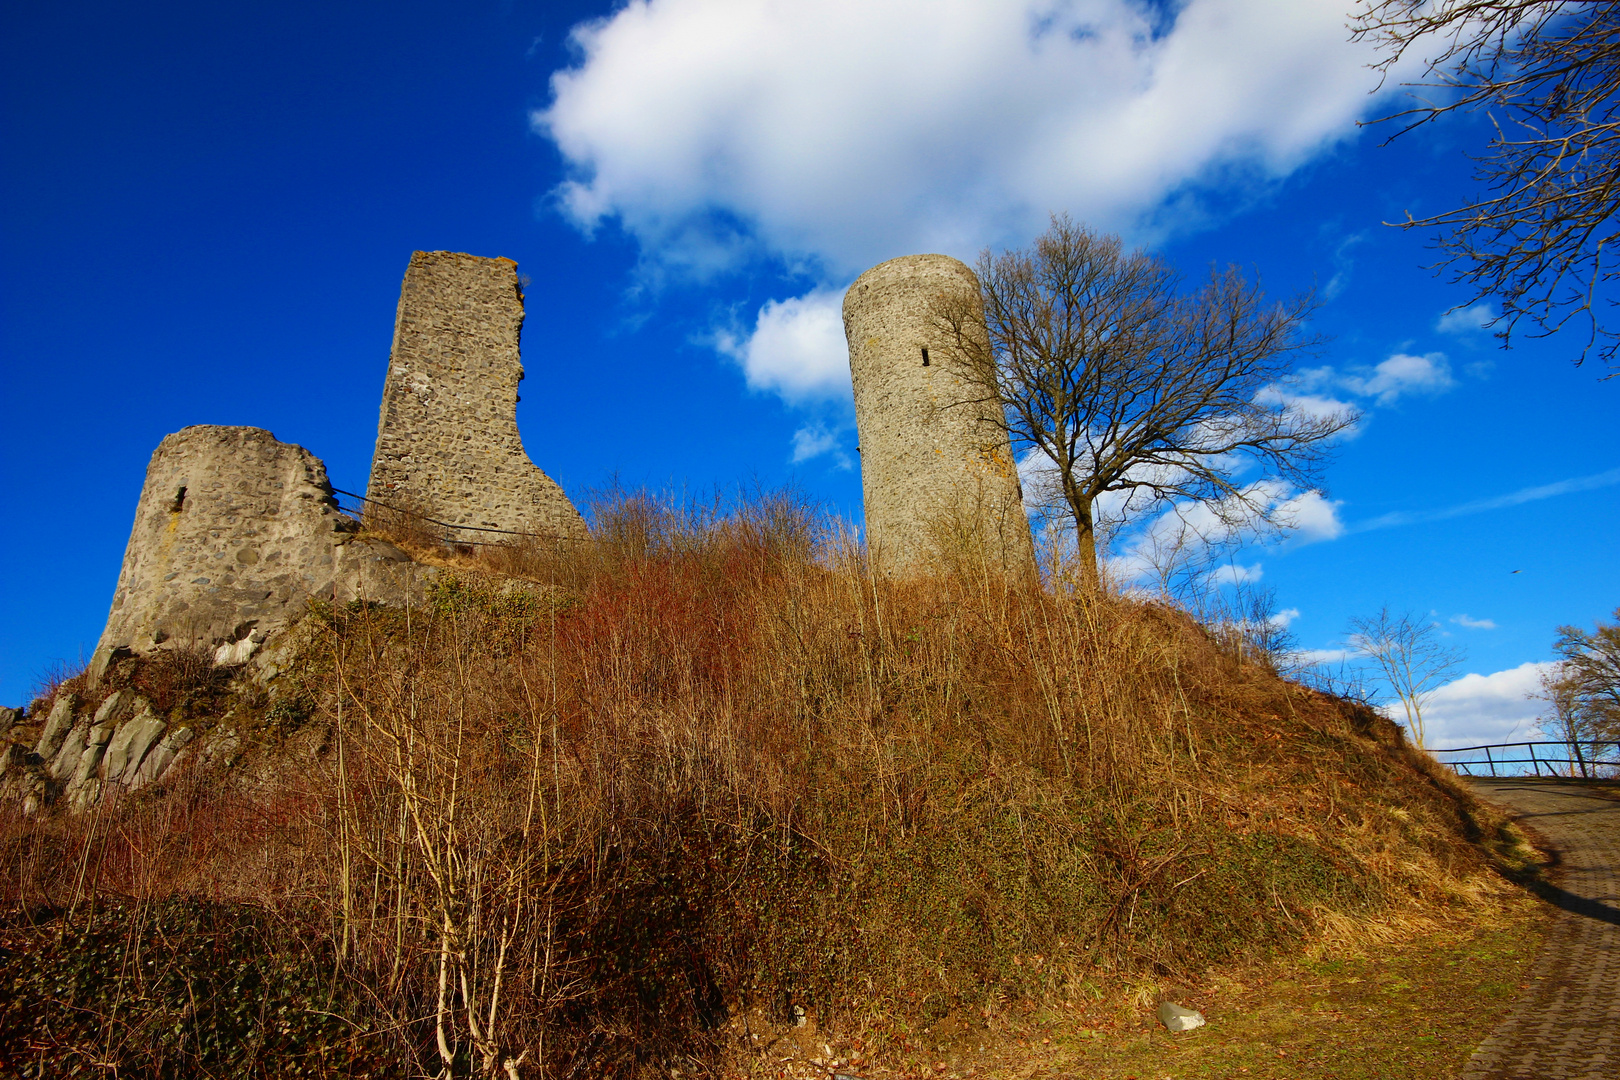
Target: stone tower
447	439
937	470
235	531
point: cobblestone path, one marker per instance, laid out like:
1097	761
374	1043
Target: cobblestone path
1566	1023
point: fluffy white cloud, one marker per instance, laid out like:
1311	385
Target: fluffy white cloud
1479	709
1466	320
1473	624
1298	396
1190	535
1310	516
796	349
850	131
1402	374
1328	657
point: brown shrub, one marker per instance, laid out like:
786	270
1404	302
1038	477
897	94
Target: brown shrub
708	760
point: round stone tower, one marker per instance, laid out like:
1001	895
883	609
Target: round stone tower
937	471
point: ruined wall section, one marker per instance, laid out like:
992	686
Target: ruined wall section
447	438
937	470
234	533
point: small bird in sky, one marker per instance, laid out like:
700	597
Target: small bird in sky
1518	571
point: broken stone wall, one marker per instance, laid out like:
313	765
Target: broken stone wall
234	533
447	438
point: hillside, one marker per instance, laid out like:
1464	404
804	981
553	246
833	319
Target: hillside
702	780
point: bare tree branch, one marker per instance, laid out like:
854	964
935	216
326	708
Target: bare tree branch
1590	673
1129	384
1412	657
1547	72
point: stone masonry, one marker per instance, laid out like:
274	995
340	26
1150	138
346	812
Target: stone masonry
447	439
234	533
937	470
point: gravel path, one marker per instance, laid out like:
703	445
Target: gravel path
1566	1023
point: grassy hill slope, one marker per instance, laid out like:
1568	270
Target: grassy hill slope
625	807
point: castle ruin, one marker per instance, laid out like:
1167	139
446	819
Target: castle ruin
447	438
937	470
234	533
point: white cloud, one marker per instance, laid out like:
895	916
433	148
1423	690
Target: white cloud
1479	709
1293	396
1402	374
1473	624
1284	618
1324	656
1466	320
1232	573
796	349
814	440
1310	516
1308	390
1495	502
1188	534
847	132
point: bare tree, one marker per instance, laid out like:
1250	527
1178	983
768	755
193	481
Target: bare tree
1591	667
1411	656
1128	384
1565	723
1548	74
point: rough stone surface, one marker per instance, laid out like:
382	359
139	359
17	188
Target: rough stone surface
447	438
129	747
57	725
118	704
66	760
162	756
95	748
9	718
937	471
1566	1023
375	570
234	533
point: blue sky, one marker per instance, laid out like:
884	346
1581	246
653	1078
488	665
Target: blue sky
206	210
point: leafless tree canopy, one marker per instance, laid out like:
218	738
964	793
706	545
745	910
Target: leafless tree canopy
1130	384
1412	657
1538	237
1590	677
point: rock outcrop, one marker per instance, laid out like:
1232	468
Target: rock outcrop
81	757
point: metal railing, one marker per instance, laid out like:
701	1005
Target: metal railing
1586	758
450	538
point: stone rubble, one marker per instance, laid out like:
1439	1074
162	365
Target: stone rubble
79	758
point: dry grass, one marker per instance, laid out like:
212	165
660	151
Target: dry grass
706	767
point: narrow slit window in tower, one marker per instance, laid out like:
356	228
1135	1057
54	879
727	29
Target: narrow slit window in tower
179	503
925	355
